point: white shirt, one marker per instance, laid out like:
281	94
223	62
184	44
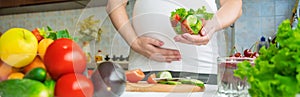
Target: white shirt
151	18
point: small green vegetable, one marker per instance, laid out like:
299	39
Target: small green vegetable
38	74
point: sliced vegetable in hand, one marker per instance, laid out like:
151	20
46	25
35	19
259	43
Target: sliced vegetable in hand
191	21
277	69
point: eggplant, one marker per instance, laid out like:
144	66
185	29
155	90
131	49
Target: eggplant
109	80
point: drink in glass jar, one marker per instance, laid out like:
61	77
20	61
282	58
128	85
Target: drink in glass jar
228	84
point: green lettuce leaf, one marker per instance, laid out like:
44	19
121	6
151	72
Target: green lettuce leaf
276	72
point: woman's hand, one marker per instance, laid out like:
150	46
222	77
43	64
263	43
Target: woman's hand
150	48
209	28
192	39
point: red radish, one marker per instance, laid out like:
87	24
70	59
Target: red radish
151	80
135	75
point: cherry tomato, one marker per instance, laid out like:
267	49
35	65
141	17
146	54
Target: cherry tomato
64	56
74	85
134	75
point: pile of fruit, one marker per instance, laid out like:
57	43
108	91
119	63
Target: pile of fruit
248	53
42	63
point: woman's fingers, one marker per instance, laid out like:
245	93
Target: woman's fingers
164	58
166	54
150	48
192	39
155	42
179	38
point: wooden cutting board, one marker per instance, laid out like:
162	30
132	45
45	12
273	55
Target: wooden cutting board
145	87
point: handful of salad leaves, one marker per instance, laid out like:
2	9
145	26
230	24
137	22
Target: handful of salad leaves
276	72
189	21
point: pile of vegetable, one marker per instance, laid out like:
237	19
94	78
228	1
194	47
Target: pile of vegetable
42	63
276	72
189	21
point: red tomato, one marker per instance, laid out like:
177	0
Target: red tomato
64	56
74	85
134	75
151	80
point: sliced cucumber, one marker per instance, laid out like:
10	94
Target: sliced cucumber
192	20
164	74
170	82
192	82
174	83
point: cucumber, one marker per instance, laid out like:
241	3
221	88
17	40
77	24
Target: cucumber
38	74
170	82
174	83
192	82
192	20
23	88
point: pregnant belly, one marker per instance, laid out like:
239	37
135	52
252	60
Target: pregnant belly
151	18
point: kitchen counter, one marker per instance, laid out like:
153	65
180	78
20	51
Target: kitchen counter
210	91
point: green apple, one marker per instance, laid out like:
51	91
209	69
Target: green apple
18	47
